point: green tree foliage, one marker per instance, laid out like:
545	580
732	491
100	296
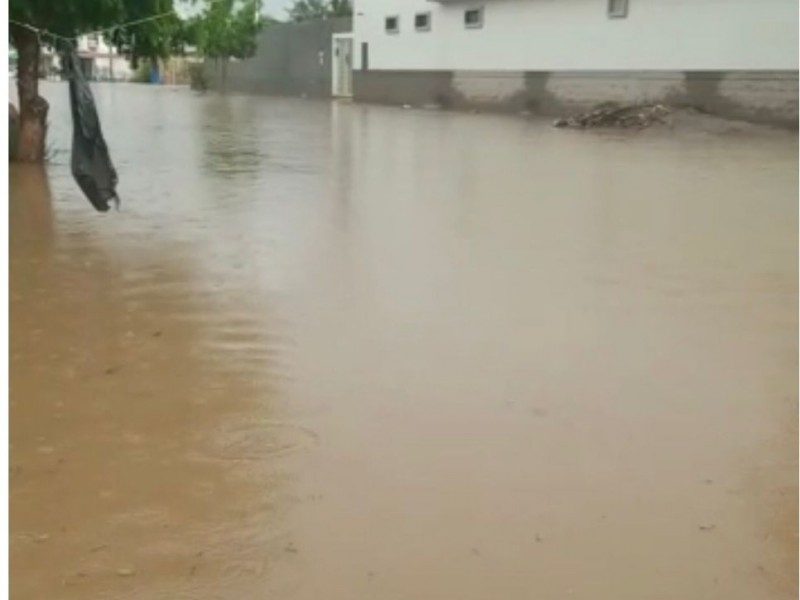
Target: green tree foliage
308	10
227	28
341	8
151	40
70	18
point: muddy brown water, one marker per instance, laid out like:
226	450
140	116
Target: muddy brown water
335	351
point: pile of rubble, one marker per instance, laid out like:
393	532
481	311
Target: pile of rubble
612	115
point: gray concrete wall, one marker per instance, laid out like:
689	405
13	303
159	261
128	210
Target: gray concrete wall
759	96
292	59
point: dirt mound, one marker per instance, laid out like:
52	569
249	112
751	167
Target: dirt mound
636	116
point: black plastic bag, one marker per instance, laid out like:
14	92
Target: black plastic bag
91	165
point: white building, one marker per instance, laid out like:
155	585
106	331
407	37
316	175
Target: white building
735	57
102	62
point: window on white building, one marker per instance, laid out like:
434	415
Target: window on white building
473	18
617	9
422	21
392	24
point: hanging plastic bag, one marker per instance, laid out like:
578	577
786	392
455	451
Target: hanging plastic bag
91	165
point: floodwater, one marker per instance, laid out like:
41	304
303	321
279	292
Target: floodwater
329	351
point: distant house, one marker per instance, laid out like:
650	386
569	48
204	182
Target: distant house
101	62
734	57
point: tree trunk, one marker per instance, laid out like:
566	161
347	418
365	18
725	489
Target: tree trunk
32	107
13	132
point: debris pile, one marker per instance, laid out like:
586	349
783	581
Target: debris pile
637	116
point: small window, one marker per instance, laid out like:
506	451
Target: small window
617	9
473	18
392	24
422	21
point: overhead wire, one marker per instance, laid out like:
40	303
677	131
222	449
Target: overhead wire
40	32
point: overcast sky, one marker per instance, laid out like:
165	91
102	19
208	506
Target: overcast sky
276	8
273	8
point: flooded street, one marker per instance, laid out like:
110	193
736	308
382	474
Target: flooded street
330	351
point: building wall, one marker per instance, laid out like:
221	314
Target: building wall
103	61
564	35
93	43
768	97
118	69
735	58
292	59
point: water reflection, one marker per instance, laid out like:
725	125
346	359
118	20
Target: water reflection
33	213
318	334
142	428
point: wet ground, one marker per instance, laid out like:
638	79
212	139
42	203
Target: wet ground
335	351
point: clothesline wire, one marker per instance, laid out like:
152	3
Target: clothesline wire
56	36
132	23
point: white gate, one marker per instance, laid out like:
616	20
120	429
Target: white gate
342	65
